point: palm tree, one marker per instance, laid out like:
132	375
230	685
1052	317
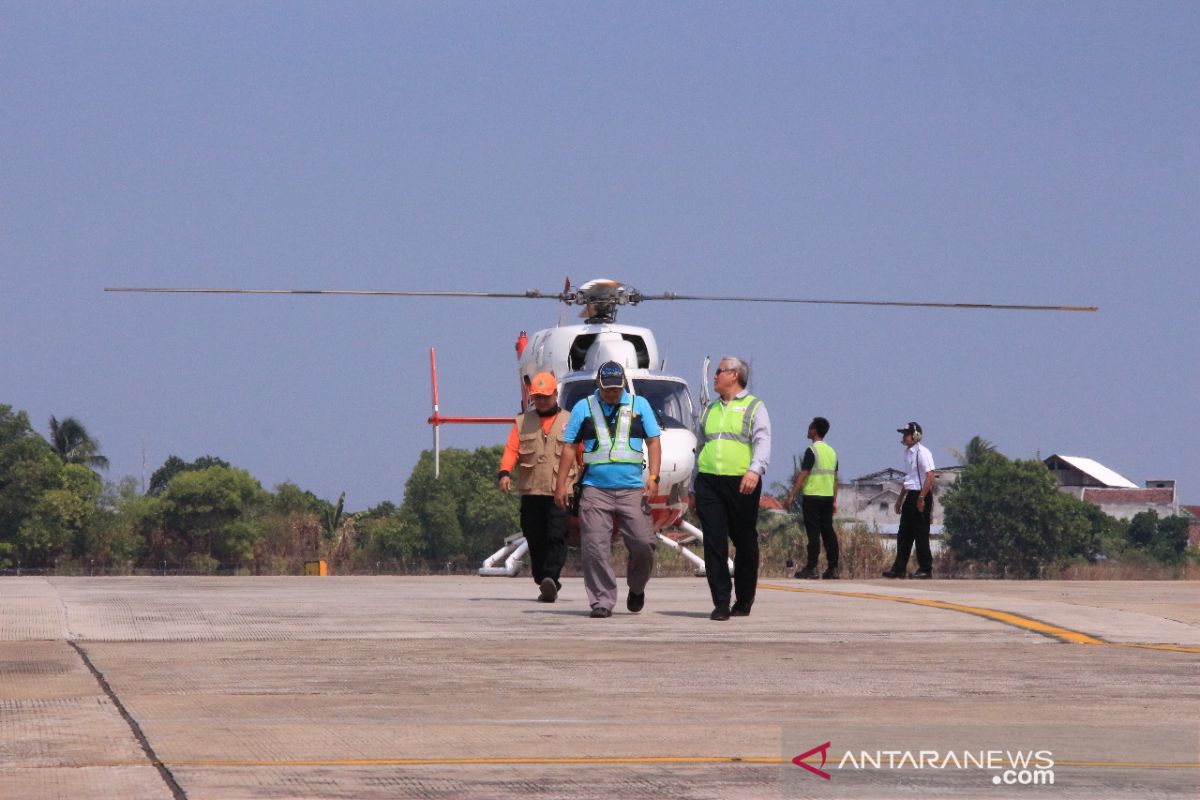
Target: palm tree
976	451
71	441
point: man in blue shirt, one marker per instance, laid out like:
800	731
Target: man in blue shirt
619	433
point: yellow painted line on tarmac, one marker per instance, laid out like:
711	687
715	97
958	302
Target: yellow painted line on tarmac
497	761
458	762
1026	623
1174	648
595	760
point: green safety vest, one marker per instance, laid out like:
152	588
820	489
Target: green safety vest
611	450
726	429
822	478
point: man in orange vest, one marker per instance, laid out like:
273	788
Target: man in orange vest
532	453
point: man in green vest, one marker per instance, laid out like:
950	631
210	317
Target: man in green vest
817	480
734	438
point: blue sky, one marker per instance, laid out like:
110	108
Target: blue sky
951	152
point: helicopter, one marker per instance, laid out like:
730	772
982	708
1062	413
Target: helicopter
573	353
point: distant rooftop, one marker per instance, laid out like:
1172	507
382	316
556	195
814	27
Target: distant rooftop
1110	496
1094	470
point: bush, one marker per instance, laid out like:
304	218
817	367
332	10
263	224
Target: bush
1009	516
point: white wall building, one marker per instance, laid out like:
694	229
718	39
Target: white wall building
1115	494
870	500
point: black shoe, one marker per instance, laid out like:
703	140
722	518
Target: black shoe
922	575
720	613
549	591
739	610
831	574
809	574
892	573
635	602
600	612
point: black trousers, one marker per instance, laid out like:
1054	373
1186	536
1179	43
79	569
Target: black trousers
818	526
914	527
545	527
728	515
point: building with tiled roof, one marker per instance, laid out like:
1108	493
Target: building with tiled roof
1125	503
1115	494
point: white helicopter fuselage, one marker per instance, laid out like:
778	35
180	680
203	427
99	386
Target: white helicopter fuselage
573	353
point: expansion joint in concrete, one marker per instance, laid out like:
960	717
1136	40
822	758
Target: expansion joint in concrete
163	771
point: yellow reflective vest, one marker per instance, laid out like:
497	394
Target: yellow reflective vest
822	478
726	428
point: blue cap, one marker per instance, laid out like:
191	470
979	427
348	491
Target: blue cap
611	375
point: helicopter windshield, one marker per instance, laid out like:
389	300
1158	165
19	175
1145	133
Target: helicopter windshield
670	400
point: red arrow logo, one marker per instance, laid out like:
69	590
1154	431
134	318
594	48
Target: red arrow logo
822	749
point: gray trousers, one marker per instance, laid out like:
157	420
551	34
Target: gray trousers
597	510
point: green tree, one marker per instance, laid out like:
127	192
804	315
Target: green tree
28	469
291	499
392	536
461	515
58	523
1164	540
175	465
70	440
1170	546
209	515
114	539
1010	514
976	451
1143	529
1107	534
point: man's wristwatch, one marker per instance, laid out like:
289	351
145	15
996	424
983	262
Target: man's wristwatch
654	478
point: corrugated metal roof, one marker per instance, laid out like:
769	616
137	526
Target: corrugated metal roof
1098	471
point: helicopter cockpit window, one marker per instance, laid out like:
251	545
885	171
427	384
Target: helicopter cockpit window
670	400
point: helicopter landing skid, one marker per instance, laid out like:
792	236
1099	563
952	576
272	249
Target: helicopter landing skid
512	554
508	560
689	534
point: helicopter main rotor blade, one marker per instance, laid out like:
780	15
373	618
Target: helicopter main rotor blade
893	303
532	293
580	298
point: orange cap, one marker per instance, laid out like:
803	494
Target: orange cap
543	383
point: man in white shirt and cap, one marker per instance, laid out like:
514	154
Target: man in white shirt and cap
915	506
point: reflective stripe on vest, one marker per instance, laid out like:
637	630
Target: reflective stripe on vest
823	475
609	450
727	436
